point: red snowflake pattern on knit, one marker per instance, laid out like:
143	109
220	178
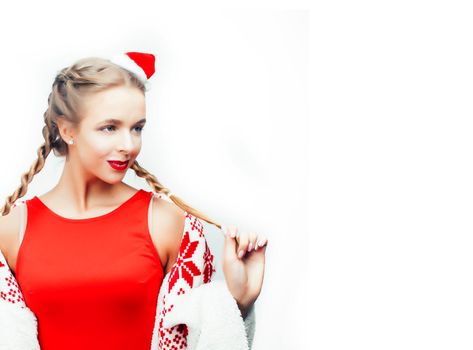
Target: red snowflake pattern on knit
13	294
9	288
193	267
184	267
208	264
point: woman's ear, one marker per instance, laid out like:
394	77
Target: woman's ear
65	128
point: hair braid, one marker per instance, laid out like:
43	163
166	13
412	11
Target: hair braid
27	177
159	188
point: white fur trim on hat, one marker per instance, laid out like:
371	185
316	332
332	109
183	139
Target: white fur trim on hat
126	62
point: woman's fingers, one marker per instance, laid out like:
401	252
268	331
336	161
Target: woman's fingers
243	242
262	241
252	236
247	241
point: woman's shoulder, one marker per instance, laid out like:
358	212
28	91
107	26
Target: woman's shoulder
168	222
168	217
9	231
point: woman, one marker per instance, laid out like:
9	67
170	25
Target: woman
95	252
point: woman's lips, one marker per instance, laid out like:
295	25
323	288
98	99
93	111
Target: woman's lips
118	165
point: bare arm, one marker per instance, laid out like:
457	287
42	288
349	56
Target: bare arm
9	230
166	231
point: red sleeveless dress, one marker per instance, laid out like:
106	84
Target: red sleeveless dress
92	283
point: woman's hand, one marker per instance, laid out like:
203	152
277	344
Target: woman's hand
244	273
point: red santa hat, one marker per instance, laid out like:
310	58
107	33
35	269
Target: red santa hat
139	63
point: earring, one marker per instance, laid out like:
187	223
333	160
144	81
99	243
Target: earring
71	141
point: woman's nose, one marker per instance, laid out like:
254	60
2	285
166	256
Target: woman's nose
126	142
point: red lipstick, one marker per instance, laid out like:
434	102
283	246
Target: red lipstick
118	165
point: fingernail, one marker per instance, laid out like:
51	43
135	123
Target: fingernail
249	247
233	234
240	254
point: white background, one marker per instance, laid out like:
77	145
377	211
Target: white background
227	114
392	175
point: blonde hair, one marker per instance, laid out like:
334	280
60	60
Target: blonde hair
70	87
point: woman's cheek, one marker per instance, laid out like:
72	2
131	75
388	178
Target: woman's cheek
101	146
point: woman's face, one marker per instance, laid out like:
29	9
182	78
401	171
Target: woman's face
110	130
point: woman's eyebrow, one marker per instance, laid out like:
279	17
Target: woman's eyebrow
119	122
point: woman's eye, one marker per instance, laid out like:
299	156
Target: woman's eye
140	128
108	126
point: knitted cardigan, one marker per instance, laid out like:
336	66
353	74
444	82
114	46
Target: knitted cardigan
193	311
